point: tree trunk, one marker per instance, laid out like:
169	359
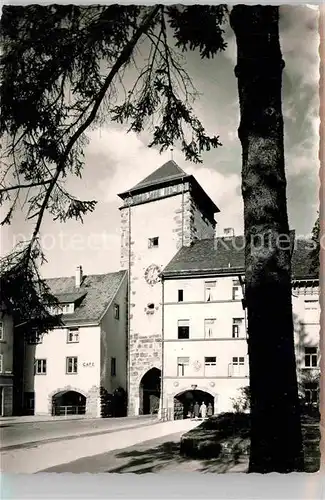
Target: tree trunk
276	442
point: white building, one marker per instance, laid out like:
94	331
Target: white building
75	369
205	355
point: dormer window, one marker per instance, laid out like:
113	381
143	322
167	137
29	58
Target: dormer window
73	335
153	242
62	309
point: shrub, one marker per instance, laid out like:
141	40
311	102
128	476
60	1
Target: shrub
225	434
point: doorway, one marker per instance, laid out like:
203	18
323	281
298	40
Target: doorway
185	401
150	392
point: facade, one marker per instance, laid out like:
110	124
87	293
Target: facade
6	364
162	213
168	330
77	368
205	355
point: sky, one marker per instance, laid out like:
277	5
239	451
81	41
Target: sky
116	160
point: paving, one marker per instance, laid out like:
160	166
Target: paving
160	455
29	431
47	455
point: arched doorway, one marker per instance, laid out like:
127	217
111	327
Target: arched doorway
184	402
150	392
68	403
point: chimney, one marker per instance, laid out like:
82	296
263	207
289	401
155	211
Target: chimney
78	276
228	232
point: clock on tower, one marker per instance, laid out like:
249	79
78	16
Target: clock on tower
151	274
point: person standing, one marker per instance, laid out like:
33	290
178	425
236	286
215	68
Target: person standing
203	410
210	410
196	410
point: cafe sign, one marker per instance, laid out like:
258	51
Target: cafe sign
88	364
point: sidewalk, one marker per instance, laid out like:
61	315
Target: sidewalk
48	455
39	418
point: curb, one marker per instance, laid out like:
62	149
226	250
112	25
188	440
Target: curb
35	444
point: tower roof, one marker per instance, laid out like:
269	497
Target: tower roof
168	174
169	171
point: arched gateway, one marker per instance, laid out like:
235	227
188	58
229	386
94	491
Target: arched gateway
150	392
185	401
68	403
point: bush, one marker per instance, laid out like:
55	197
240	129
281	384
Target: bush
227	433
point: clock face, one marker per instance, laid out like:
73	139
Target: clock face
152	274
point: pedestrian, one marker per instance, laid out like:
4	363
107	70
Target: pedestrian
210	410
196	410
203	410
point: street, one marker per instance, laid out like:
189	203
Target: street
45	455
158	455
14	434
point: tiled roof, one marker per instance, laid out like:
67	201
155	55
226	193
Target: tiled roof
226	256
169	171
98	291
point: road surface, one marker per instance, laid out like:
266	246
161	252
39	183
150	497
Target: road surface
159	455
18	435
32	459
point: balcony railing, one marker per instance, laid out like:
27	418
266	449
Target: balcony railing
69	410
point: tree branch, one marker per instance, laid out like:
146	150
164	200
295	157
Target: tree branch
121	60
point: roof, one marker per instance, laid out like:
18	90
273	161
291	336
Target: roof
93	297
225	256
168	172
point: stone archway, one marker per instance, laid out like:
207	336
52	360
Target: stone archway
149	390
67	401
184	402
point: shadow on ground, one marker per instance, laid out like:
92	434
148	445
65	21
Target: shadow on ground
166	456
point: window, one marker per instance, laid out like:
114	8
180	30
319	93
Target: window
209	328
72	365
310	357
236	290
180	295
34	337
40	366
210	364
1	363
1	330
62	309
73	335
183	329
116	311
238	361
113	367
153	242
182	364
236	327
311	392
311	305
209	290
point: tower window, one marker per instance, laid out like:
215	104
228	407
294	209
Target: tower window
180	295
153	242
